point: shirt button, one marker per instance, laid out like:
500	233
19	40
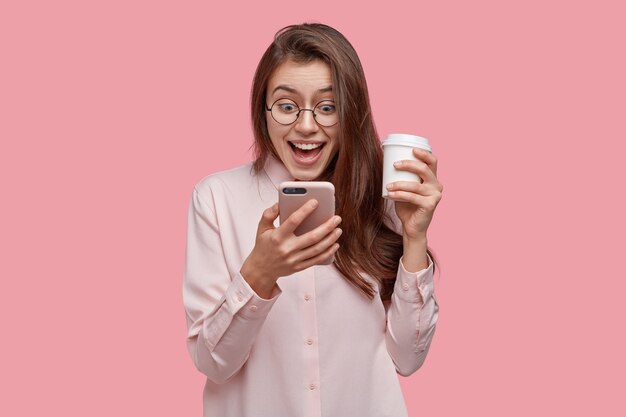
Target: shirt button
312	387
253	308
307	297
309	341
405	286
240	298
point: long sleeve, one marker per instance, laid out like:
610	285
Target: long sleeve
224	315
411	318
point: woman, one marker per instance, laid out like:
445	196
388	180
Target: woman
275	333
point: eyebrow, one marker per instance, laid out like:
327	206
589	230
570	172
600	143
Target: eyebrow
294	91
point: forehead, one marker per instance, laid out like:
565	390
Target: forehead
304	77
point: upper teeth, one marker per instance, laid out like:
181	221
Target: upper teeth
307	146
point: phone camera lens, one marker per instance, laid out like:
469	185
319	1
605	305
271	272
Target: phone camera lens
294	190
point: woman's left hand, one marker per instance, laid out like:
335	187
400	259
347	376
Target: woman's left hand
416	202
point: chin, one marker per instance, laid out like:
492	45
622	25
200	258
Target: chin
302	175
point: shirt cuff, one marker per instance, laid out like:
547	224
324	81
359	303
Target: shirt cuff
239	299
414	287
242	298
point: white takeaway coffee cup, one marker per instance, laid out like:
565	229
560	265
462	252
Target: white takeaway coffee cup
397	147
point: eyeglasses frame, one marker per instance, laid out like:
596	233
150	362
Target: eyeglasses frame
269	109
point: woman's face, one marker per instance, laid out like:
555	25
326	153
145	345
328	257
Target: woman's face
306	85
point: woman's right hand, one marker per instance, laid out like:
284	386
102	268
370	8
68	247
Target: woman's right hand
278	252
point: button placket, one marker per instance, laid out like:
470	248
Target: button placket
311	368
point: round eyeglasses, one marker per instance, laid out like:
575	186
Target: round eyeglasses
286	112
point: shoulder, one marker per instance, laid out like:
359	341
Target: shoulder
238	178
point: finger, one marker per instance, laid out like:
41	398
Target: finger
319	247
426	203
319	258
427	157
267	219
417	167
314	236
425	189
297	217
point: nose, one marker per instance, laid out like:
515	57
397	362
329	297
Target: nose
306	122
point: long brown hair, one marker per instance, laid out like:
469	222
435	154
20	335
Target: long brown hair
368	245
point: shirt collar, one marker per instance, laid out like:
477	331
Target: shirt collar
276	171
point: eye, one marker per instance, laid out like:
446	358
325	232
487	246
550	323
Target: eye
287	107
326	108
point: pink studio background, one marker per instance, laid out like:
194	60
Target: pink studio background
110	112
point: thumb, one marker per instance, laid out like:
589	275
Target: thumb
267	219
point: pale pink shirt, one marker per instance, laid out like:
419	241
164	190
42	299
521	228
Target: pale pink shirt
318	347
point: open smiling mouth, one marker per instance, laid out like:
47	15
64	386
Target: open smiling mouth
306	152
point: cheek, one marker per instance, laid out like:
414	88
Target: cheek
335	150
335	141
273	131
277	135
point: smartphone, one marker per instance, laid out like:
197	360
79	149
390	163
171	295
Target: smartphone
293	194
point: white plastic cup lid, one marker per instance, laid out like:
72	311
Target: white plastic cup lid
402	139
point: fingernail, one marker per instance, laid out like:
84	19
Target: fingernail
390	186
337	220
313	203
397	164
